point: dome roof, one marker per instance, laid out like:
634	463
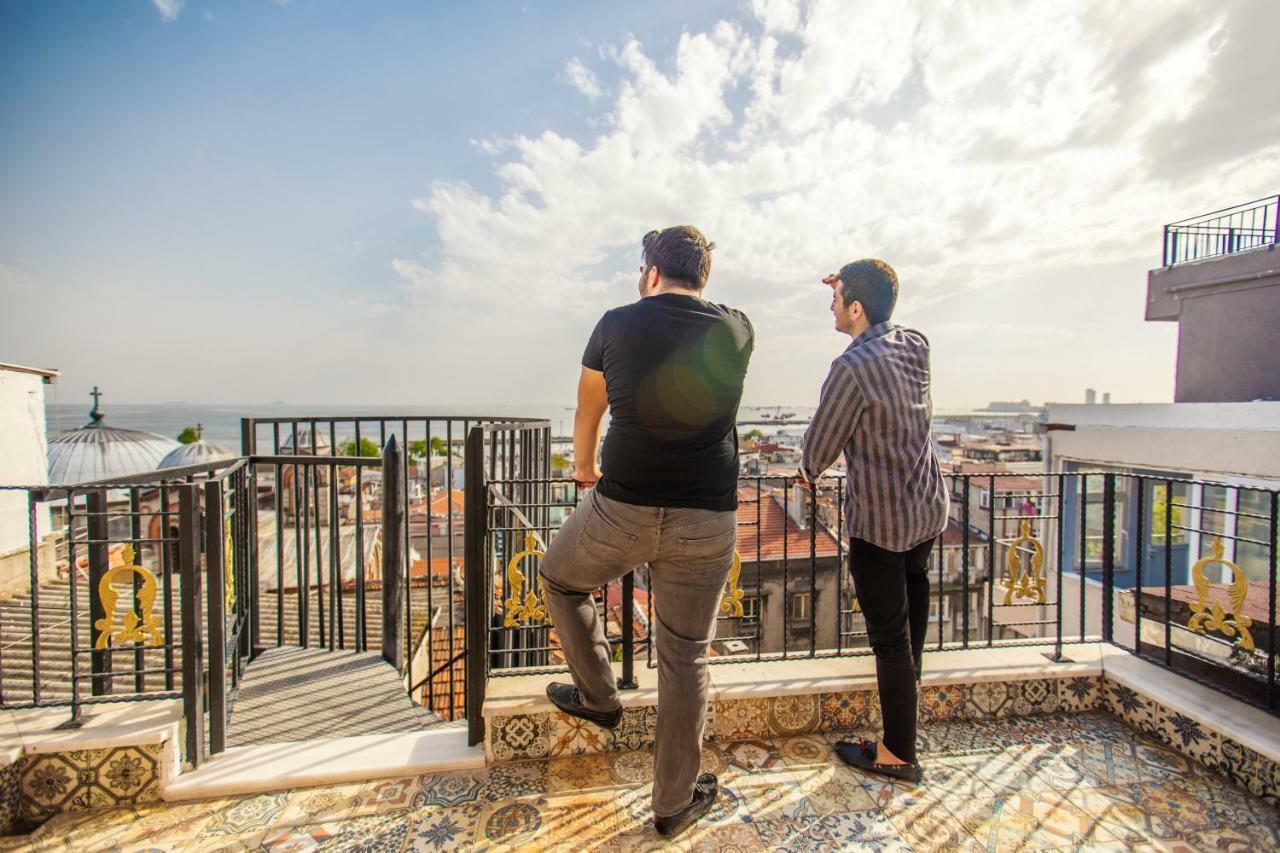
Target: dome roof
197	452
96	451
304	441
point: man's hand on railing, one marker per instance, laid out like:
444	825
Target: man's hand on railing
585	478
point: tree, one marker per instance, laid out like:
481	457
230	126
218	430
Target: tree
560	463
418	449
753	435
189	435
367	448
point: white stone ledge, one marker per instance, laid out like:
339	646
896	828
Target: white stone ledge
526	694
106	726
1230	717
280	766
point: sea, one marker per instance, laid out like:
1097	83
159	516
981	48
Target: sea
221	423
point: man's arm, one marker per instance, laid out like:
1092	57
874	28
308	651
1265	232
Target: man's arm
593	400
839	405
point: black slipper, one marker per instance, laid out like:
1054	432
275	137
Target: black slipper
862	754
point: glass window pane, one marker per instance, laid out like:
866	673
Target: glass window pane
1253	558
1177	514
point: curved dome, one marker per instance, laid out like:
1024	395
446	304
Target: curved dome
96	451
304	441
195	453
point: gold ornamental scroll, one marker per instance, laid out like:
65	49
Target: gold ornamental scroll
228	567
523	607
1209	615
137	626
731	603
1025	579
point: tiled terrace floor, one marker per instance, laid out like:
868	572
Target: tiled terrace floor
1055	782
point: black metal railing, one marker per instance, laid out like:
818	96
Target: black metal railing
1223	232
1046	559
391	565
322	547
115	606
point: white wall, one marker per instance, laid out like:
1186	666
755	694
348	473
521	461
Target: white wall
1209	440
22	451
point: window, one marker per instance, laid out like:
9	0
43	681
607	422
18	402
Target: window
799	605
751	608
1160	507
1253	522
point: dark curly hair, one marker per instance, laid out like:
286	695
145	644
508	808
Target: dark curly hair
873	283
681	253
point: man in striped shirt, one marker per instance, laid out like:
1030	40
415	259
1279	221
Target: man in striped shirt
875	407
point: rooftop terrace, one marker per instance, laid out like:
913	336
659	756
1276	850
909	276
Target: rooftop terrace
1059	781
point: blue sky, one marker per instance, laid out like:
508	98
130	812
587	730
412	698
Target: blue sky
254	201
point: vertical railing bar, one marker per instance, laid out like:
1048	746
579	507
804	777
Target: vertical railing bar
1060	547
73	571
475	593
839	501
335	562
1168	573
964	561
167	566
941	553
1140	547
362	639
135	534
249	602
97	529
405	628
394	518
786	592
33	566
1108	556
1084	546
991	560
1271	603
813	569
431	605
448	476
214	569
314	466
304	585
299	543
192	646
279	496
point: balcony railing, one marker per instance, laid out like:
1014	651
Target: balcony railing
176	579
1222	232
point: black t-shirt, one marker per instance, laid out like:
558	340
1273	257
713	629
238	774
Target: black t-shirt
673	367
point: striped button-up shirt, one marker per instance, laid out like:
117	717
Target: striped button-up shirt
875	406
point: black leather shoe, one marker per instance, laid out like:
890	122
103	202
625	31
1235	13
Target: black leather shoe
862	754
704	797
567	699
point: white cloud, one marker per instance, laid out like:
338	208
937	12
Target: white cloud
168	9
975	146
581	78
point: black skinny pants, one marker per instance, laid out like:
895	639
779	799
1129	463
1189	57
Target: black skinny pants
893	589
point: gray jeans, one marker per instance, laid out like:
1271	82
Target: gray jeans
689	552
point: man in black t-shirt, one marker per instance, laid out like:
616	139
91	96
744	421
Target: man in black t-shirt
670	369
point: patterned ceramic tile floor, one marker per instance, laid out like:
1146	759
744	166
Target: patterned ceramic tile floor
1039	783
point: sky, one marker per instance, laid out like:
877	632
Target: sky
413	203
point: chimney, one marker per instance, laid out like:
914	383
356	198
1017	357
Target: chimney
1090	396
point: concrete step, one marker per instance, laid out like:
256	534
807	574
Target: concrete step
281	766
